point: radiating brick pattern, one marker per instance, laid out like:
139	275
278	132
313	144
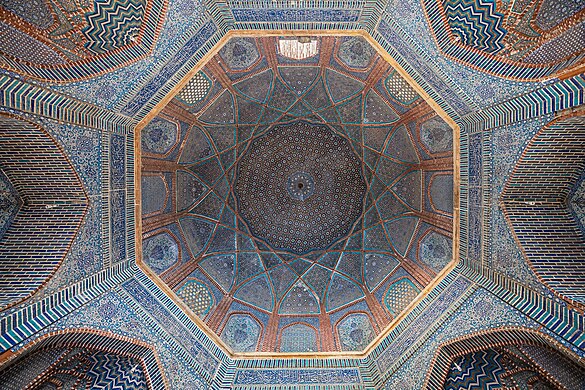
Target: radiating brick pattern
535	203
54	204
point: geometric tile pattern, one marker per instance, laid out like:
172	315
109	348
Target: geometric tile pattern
399	295
117	197
234	224
113	24
82	369
115	372
439	192
503	357
520	40
298	338
80	41
400	89
307	188
197	296
479	370
154	184
476	23
195	90
172	325
512	367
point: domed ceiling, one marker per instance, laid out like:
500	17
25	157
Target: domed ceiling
297	194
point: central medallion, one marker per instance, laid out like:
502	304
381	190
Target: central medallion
300	187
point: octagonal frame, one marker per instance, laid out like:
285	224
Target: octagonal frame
138	194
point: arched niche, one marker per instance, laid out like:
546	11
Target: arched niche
536	202
87	358
48	204
472	359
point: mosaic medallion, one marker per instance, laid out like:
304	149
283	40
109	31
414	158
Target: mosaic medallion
160	251
300	187
241	333
159	136
355	332
355	52
239	53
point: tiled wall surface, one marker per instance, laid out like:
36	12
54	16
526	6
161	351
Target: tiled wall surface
86	99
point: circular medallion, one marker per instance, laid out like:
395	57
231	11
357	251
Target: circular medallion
299	187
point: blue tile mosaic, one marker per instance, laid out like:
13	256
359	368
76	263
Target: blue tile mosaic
295	15
498	109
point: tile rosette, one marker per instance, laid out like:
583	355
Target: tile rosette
300	187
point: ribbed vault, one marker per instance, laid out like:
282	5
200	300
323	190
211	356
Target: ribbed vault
297	195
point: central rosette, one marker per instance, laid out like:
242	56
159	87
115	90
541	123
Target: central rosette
300	187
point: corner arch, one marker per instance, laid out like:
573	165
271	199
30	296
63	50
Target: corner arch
90	356
449	352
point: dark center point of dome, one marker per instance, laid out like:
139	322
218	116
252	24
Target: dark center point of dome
299	187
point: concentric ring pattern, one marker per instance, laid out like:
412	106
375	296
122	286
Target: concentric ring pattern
300	187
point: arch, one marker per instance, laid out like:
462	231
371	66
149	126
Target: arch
155	194
535	203
53	205
110	35
491	37
87	355
303	337
448	352
436	191
355	331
